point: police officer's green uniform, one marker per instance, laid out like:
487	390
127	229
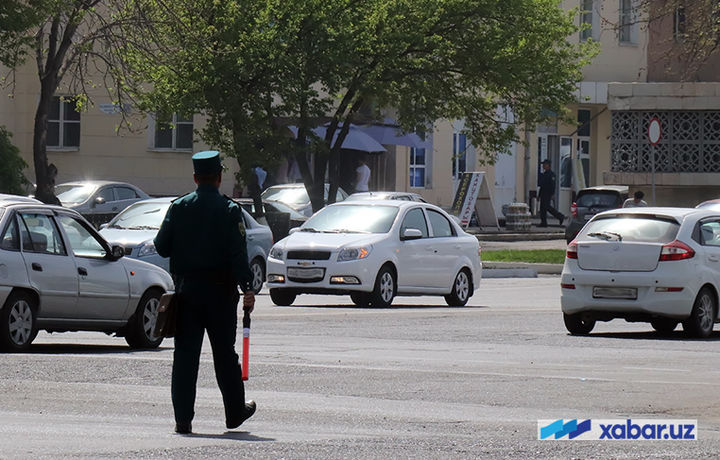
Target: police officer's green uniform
204	237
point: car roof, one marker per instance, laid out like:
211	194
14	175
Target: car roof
97	183
614	188
675	213
8	199
395	203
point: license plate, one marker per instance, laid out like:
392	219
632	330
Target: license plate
305	273
600	292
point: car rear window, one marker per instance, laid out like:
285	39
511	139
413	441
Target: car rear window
640	228
605	199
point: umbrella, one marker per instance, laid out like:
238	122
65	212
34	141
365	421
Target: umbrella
356	139
246	345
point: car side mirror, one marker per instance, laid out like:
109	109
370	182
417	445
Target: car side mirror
103	226
98	200
411	234
117	252
293	230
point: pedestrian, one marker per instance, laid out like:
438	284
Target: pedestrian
362	176
204	237
546	182
636	201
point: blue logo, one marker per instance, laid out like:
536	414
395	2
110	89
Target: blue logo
572	429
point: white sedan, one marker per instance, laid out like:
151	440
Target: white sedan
58	274
656	265
373	251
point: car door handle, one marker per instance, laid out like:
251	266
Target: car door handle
457	246
36	266
250	237
713	259
82	271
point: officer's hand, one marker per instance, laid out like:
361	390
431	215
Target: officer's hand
249	301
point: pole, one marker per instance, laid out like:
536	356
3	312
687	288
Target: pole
246	345
652	162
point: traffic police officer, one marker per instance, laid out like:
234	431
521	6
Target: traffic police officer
204	237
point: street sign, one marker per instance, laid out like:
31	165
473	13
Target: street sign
654	131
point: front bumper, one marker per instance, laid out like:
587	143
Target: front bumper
335	277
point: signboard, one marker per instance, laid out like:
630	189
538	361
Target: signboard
654	131
473	194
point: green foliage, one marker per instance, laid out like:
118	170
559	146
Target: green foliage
17	20
543	256
12	179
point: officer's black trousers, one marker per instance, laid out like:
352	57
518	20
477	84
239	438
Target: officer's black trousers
213	309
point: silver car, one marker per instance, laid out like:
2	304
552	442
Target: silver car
135	228
97	200
387	195
57	274
295	196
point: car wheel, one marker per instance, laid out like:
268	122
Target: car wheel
664	325
385	289
258	275
282	297
361	299
141	325
702	318
18	328
577	325
461	290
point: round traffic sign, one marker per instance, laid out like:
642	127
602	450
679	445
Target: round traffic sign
654	131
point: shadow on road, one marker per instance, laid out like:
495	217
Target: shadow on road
78	348
392	307
679	336
236	435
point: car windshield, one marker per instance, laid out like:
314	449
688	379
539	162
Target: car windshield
141	216
293	195
73	193
631	227
352	219
606	199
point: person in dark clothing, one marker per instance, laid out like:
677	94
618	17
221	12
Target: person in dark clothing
546	182
204	237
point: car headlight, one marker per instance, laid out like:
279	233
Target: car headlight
147	249
354	253
276	252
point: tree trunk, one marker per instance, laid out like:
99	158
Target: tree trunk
45	182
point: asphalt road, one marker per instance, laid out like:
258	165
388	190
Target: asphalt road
418	380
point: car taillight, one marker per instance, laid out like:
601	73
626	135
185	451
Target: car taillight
571	252
573	209
677	250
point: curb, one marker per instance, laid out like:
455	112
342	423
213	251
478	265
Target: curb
519	269
519	236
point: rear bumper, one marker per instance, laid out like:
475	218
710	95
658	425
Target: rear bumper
651	300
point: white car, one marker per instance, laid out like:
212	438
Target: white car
373	251
135	228
656	265
296	196
406	196
98	200
58	274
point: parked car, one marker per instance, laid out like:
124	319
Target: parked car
590	201
97	200
272	210
406	196
657	265
57	274
18	198
295	196
373	251
713	205
135	228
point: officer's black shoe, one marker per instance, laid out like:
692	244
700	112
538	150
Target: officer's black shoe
183	428
561	219
250	407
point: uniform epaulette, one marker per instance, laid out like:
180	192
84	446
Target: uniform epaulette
180	197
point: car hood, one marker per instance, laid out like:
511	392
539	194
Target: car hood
329	241
127	237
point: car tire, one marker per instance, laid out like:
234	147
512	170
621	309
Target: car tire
282	297
461	291
257	269
385	288
702	318
577	325
141	325
664	325
361	299
18	328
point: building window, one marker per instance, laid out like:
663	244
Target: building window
459	155
626	21
173	132
679	24
417	167
586	19
63	124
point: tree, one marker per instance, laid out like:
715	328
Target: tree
12	165
255	66
75	45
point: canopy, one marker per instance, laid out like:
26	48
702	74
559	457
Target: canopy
356	139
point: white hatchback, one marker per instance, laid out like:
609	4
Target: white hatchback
58	274
656	265
373	251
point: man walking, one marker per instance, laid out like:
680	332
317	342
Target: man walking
546	183
204	237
